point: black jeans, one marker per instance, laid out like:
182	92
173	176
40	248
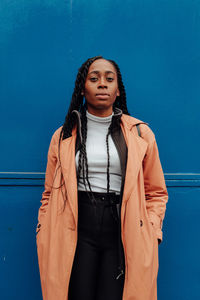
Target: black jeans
94	268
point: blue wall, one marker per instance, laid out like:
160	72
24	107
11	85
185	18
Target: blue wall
42	45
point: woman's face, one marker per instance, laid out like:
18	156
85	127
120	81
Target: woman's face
101	88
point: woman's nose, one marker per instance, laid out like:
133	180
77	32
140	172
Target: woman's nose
102	83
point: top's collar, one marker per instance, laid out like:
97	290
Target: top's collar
97	119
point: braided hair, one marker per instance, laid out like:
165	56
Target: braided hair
70	120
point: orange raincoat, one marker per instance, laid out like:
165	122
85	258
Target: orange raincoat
142	213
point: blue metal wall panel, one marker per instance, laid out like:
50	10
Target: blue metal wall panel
42	45
19	273
178	276
156	44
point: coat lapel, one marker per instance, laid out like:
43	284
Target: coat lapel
67	157
136	152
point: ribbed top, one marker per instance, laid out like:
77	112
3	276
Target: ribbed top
97	128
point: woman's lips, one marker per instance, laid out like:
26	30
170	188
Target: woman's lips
102	96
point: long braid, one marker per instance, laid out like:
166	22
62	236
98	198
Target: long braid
108	166
108	161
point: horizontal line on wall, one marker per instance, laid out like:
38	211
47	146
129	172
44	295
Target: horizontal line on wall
182	179
37	179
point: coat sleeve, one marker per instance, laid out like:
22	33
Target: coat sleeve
49	177
155	188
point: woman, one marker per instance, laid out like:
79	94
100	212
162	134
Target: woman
105	197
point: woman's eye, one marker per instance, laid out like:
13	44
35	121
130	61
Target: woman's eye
110	78
93	79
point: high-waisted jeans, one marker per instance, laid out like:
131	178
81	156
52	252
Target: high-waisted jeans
94	268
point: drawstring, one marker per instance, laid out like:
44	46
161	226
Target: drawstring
120	274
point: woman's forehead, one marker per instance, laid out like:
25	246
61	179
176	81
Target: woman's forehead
101	65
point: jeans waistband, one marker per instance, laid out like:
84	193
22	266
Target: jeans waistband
109	198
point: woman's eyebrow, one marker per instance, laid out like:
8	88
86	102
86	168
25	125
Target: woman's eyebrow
97	72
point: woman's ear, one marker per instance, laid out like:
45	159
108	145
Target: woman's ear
118	92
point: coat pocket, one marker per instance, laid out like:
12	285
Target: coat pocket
148	228
152	229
